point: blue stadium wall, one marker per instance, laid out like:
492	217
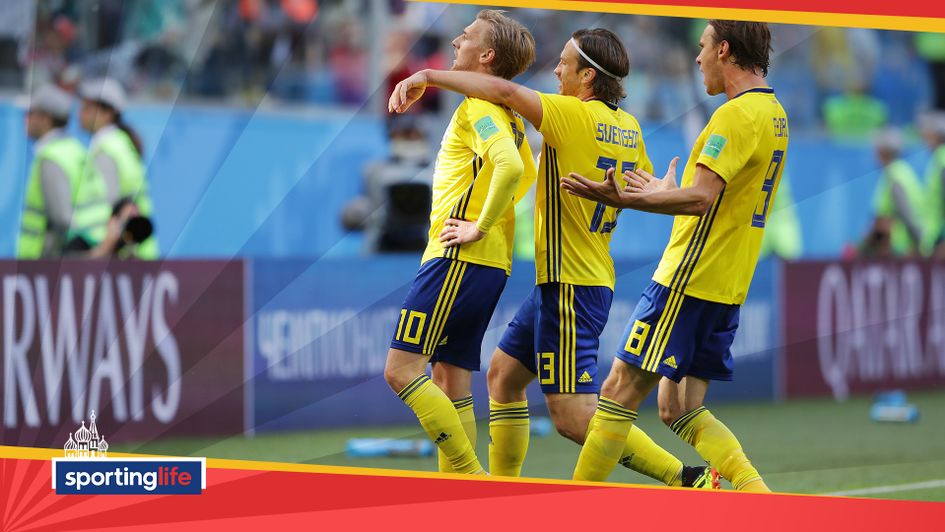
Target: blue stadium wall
319	333
228	182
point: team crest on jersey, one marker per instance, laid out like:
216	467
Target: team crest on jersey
486	127
713	146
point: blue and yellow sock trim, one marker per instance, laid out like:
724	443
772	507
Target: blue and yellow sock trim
508	413
412	387
680	424
467	401
614	408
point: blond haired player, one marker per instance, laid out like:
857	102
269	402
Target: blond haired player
484	165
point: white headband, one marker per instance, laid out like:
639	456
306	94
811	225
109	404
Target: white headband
591	61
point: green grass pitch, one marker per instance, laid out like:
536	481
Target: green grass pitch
806	446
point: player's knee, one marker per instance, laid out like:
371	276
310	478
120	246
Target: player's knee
397	378
569	429
390	375
669	413
498	385
499	378
449	385
614	386
494	377
504	385
453	380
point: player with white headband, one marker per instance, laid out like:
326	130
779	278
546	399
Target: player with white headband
591	61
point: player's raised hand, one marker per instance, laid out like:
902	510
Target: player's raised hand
456	232
608	191
641	181
407	92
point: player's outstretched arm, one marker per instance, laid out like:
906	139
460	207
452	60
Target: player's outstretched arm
645	192
611	192
494	89
665	197
608	191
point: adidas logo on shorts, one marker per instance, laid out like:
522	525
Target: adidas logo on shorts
585	378
671	362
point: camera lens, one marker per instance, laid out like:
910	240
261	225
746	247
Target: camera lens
137	230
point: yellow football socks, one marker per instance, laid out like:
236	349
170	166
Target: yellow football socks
605	441
720	448
467	416
508	437
643	455
441	423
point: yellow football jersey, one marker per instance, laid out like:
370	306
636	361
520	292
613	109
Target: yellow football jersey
462	176
713	257
572	234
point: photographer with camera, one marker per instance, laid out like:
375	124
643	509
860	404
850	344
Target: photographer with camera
116	155
126	229
394	210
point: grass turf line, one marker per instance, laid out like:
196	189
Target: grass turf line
803	446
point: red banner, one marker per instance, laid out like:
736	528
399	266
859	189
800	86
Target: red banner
154	349
927	16
323	498
863	327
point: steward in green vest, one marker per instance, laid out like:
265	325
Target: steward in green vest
62	201
933	133
115	152
898	203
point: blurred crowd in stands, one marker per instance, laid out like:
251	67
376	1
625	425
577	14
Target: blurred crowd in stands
849	81
854	84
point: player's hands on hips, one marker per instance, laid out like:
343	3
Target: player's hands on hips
407	92
456	232
608	191
641	181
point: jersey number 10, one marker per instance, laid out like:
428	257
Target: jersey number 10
597	221
767	189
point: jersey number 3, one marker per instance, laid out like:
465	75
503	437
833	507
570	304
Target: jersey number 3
597	221
767	189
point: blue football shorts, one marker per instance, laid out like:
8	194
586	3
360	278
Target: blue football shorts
556	334
447	310
677	335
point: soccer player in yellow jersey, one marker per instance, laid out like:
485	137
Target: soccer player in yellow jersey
484	165
681	331
555	334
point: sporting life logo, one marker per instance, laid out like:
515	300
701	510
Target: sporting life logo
86	470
